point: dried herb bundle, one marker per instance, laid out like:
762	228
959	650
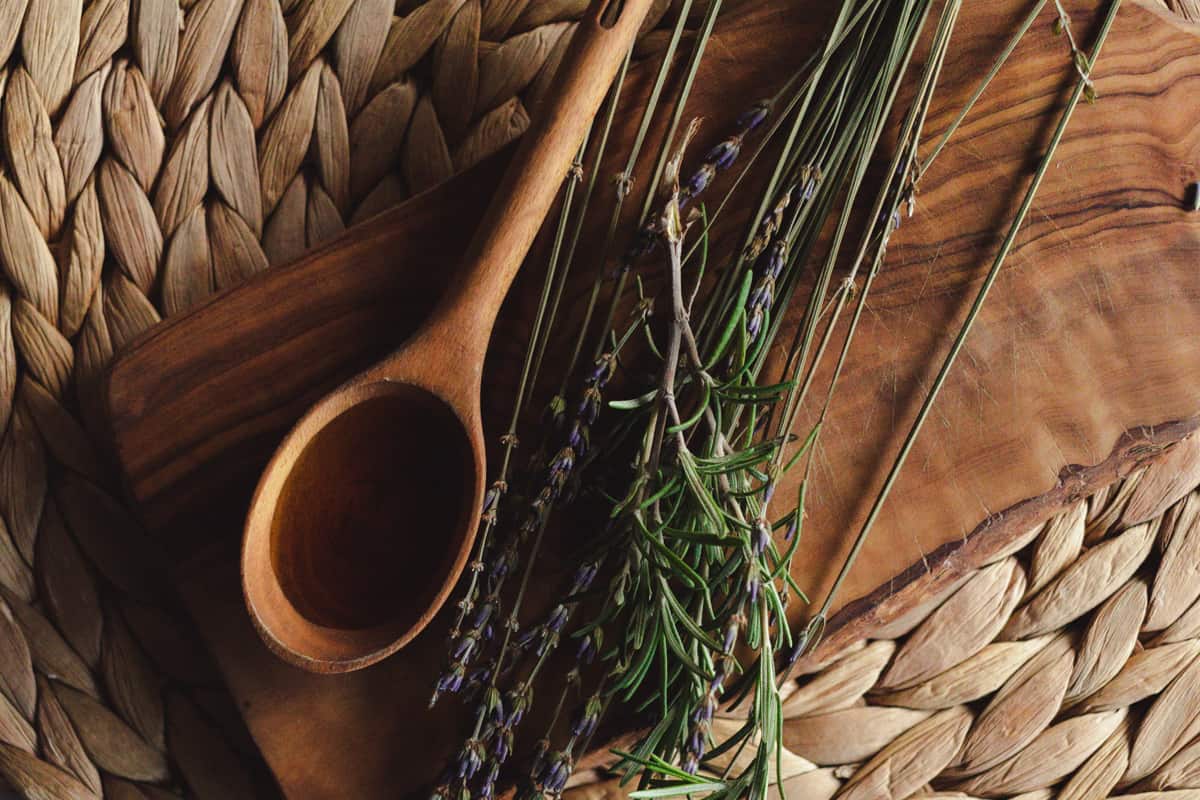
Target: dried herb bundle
679	602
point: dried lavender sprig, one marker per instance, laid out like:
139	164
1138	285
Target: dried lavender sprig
558	470
718	159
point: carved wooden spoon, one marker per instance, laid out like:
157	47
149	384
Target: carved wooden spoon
364	518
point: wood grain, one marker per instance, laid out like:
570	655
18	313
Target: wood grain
1083	364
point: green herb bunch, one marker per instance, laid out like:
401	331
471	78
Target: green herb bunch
679	606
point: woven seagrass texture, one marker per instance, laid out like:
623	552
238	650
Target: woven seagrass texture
1067	667
155	152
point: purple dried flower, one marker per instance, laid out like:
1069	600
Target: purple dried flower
463	648
760	538
586	653
487	789
792	527
724	154
584	575
470	759
558	618
552	778
448	682
502	745
755	116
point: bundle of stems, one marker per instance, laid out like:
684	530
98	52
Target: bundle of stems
678	603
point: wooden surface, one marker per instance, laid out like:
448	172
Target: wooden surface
1084	362
395	458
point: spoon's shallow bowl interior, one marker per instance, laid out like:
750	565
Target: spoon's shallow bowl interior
360	526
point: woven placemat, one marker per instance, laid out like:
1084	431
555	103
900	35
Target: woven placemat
1067	667
154	152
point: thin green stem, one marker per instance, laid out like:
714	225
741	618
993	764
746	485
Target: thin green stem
973	314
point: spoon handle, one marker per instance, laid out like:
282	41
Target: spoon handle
465	317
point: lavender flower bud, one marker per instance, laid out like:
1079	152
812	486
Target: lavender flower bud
553	778
589	406
564	461
558	618
760	538
584	575
470	759
586	653
776	259
699	181
724	154
482	615
586	719
753	586
575	438
493	705
755	116
755	323
502	746
449	682
487	789
705	711
520	699
463	648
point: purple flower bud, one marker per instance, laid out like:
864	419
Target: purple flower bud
499	568
575	439
587	650
754	324
449	682
792	527
502	746
760	538
525	639
776	258
724	154
753	586
589	406
482	614
558	618
480	676
463	648
731	633
557	772
700	180
703	714
584	575
519	700
470	759
755	116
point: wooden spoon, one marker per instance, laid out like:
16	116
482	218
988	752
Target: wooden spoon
364	518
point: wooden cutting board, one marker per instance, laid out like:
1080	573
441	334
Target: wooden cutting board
1085	362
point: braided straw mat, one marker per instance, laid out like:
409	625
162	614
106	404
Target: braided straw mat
155	151
1068	667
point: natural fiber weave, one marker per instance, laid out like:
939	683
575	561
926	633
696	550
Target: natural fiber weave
1067	667
154	152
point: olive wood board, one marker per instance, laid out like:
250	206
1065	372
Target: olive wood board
1084	363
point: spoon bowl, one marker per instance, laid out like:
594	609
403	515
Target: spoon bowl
360	525
364	518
